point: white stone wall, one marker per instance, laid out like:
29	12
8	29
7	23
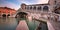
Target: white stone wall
50	27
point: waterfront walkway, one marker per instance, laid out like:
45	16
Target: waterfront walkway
56	25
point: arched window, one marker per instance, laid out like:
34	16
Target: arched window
45	8
8	15
31	7
39	8
34	8
4	15
27	7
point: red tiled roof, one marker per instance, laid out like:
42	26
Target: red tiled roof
6	8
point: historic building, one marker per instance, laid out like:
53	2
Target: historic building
48	10
6	12
38	7
50	6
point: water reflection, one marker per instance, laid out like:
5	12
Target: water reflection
8	23
33	24
12	23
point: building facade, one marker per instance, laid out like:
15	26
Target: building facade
37	7
49	11
6	12
38	10
50	6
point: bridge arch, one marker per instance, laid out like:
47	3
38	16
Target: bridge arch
45	8
21	15
4	15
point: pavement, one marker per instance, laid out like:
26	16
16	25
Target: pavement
55	24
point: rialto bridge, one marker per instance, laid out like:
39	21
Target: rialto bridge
46	11
36	11
43	12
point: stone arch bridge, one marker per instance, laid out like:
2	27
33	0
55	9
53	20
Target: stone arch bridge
38	14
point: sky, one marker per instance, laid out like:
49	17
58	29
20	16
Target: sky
15	4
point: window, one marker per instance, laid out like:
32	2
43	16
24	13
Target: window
31	7
34	8
45	8
39	8
27	7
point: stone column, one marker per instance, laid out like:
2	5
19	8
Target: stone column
28	7
10	15
1	14
42	8
6	15
32	7
36	7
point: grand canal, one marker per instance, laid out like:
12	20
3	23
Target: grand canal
12	23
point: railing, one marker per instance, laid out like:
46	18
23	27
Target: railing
49	15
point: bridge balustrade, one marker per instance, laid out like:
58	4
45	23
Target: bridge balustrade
48	16
44	15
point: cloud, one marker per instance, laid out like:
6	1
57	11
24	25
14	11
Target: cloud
42	1
34	1
10	5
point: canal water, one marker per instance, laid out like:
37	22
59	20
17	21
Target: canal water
11	23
